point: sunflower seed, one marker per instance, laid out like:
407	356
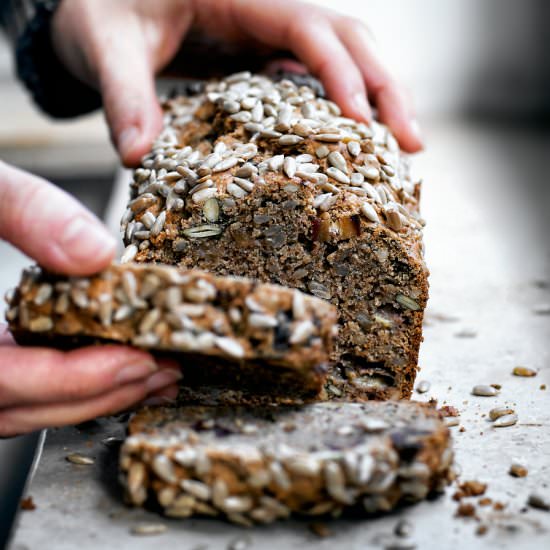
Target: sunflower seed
283	118
497	412
328	203
257	112
407	302
298	305
198	489
337	160
247	185
369	212
163	467
211	210
337	174
505	421
320	199
147	529
539	501
279	475
231	106
521	371
225	164
43	294
518	470
423	386
303	465
230	346
353	148
202	231
236	191
148	219
142	202
290	139
301	332
484	390
186	457
158	226
246	170
219	492
329	138
40	324
76	458
233	504
261	320
105	311
241	116
123	312
335	482
267	133
149	320
289	167
322	151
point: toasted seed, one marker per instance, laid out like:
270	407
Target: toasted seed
407	302
301	332
219	492
148	529
369	212
524	371
298	305
204	194
329	138
40	324
451	421
484	390
241	116
225	164
202	231
148	219
497	412
279	476
76	458
236	505
186	457
518	470
423	386
290	139
231	106
322	151
261	320
505	421
303	465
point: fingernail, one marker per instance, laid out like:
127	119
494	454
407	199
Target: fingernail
127	139
361	105
83	239
415	128
162	379
134	372
154	401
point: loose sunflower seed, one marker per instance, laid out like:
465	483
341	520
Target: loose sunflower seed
497	412
484	390
147	529
505	421
423	386
524	371
76	458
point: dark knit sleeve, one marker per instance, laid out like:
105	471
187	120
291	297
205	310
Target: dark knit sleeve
27	23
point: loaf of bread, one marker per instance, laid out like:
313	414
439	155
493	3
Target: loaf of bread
229	333
267	180
260	464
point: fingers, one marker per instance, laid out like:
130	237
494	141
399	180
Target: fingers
20	420
51	226
43	375
127	85
390	99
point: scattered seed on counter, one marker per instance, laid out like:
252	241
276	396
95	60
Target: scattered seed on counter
518	470
497	412
505	421
484	390
539	501
148	529
76	458
524	371
423	386
466	333
403	528
451	421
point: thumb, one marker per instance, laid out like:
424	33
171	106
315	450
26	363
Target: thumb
131	106
51	226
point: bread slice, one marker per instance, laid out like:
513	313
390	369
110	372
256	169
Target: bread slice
260	464
233	332
269	181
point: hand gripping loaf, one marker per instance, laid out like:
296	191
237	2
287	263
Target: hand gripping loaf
269	181
228	332
260	464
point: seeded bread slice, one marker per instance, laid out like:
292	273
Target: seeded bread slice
269	181
260	464
234	332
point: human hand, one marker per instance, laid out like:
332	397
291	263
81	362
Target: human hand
118	47
42	387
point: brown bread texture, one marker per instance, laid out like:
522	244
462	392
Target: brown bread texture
257	465
229	333
266	180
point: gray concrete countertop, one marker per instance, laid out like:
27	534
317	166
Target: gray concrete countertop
485	249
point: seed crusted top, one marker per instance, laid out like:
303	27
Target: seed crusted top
245	131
